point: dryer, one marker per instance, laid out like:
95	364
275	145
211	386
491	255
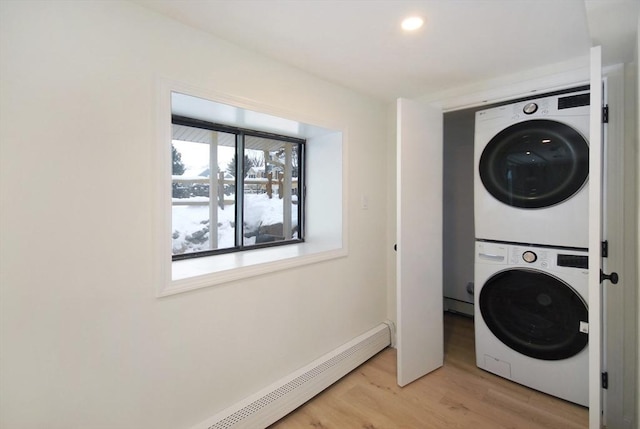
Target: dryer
531	317
531	170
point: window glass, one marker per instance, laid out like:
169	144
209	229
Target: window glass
192	184
208	203
270	190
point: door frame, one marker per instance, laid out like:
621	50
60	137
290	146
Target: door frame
596	137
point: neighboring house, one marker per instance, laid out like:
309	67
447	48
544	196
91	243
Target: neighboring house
256	173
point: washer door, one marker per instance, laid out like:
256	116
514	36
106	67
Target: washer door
535	314
535	164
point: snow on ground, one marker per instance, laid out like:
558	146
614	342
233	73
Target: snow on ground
193	221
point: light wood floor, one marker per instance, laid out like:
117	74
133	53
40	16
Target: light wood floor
458	395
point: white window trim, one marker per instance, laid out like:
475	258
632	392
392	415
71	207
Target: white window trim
323	240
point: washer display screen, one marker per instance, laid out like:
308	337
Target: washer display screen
535	314
535	164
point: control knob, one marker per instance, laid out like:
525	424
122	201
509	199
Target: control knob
530	108
529	256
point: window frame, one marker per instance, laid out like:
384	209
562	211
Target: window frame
327	213
240	133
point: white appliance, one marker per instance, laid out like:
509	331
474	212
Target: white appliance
531	169
531	317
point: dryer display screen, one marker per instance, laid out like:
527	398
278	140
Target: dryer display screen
535	164
574	261
573	101
534	313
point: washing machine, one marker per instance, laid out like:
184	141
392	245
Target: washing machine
531	317
531	171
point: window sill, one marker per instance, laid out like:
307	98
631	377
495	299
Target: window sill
190	274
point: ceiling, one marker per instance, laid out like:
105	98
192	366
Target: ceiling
359	43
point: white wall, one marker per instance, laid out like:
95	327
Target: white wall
458	225
84	341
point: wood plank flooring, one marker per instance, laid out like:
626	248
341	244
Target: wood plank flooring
458	395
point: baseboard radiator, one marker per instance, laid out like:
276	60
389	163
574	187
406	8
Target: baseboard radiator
276	401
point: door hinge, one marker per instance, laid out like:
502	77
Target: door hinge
605	249
605	380
605	114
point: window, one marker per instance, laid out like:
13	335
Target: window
220	205
210	125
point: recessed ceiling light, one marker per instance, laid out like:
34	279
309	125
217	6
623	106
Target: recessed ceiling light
412	23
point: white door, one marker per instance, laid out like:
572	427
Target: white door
419	240
617	406
595	240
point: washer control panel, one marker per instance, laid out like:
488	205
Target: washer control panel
531	257
537	257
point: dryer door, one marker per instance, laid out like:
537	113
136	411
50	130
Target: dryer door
535	314
535	164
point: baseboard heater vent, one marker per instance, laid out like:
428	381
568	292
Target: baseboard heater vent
279	399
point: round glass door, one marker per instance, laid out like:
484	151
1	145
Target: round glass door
535	164
535	314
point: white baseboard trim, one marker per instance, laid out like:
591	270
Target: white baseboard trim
458	306
276	401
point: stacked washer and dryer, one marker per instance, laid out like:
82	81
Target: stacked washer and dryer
531	226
